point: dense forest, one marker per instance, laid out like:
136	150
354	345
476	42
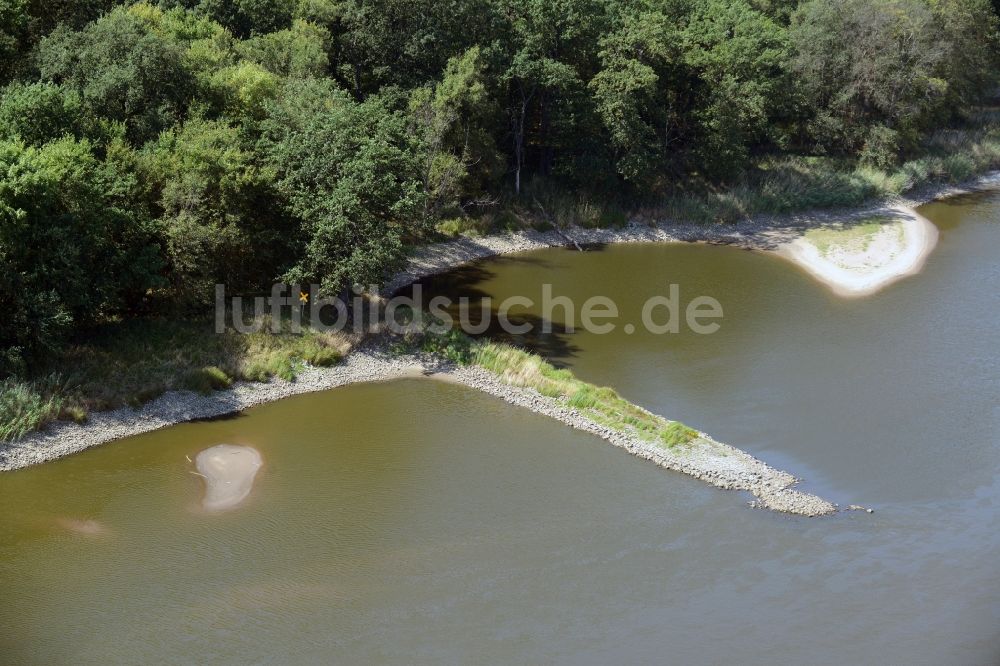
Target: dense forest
151	150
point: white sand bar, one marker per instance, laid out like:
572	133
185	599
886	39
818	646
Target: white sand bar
229	471
861	258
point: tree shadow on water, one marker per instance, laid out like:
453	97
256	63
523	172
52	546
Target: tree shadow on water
550	339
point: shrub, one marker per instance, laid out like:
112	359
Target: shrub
38	112
958	167
208	379
451	227
453	345
881	149
70	252
614	218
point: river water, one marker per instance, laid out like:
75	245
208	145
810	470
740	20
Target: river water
421	522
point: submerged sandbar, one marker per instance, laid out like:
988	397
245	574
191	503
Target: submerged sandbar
229	471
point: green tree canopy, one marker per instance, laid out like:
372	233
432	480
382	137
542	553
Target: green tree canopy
351	175
73	251
122	71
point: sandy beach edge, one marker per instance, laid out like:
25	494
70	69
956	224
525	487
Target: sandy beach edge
920	238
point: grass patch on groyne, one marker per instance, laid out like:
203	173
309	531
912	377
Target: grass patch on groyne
517	367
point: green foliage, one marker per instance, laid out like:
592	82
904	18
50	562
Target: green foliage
452	345
602	405
793	183
737	54
459	155
205	380
285	355
70	251
250	17
151	150
881	149
14	20
245	89
676	433
519	368
874	66
122	71
970	35
38	112
549	61
299	52
206	182
631	92
351	176
402	43
136	360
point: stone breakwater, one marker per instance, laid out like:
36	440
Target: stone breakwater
704	458
719	464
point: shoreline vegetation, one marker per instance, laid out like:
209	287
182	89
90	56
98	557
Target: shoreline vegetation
500	372
765	232
132	362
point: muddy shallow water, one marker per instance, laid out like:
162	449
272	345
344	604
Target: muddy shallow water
421	522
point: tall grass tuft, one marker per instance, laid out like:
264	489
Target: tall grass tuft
600	404
28	406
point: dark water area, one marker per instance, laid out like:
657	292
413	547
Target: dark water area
421	522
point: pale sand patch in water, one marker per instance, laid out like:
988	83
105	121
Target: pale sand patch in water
229	471
862	259
83	526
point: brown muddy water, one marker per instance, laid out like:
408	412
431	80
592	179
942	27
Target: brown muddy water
421	522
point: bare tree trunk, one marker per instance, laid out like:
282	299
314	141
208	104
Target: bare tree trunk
519	144
519	129
544	152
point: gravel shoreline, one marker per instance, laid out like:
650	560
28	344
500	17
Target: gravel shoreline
64	438
718	464
763	232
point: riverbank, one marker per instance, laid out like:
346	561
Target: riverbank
763	233
135	360
64	438
776	234
702	457
718	464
